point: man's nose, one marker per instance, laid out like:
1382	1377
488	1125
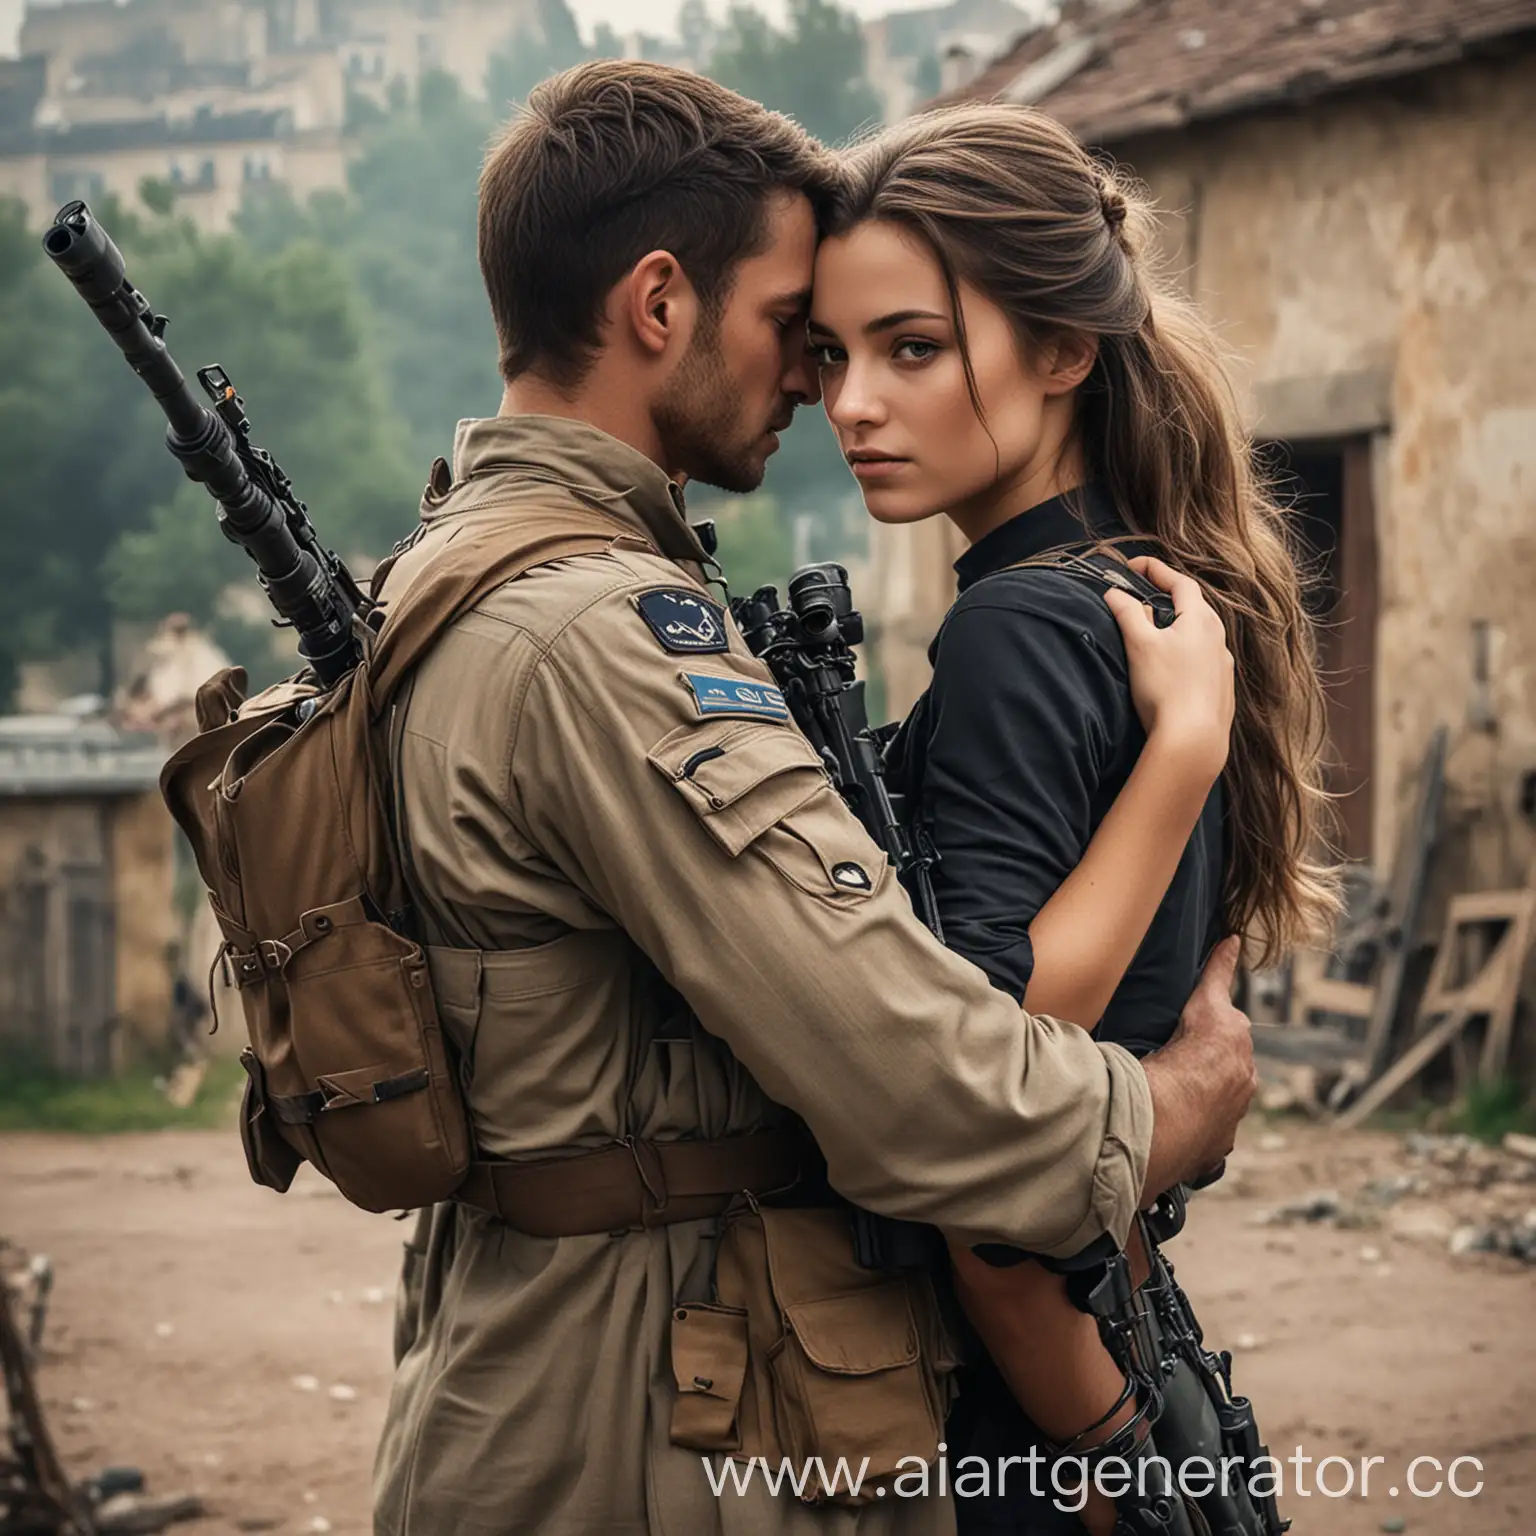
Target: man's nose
802	379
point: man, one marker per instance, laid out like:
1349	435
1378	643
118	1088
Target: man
654	921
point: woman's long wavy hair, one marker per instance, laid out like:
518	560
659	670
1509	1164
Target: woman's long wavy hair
1012	205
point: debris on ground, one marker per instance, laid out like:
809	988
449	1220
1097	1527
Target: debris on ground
1452	1189
127	1513
36	1498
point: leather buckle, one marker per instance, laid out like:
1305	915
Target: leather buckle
274	954
653	1178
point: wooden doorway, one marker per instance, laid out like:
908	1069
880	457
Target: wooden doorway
1327	485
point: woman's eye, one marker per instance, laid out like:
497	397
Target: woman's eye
825	355
914	350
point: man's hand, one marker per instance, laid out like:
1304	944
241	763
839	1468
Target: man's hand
1202	1081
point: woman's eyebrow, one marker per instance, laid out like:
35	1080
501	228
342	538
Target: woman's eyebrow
900	317
884	323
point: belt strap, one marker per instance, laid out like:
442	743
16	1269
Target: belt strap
635	1183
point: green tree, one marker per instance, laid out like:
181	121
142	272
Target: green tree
695	30
814	71
535	53
754	541
406	232
100	522
315	403
49	529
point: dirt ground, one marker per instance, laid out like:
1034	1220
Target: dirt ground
235	1343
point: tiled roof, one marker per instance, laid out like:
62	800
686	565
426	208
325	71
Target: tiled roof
43	756
1113	69
256	125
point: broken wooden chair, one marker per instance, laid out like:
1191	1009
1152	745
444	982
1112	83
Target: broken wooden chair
1476	977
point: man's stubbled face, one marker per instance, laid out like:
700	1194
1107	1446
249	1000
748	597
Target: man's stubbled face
747	367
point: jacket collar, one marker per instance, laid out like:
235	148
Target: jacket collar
613	476
1076	518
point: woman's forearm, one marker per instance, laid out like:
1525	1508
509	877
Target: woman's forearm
1085	937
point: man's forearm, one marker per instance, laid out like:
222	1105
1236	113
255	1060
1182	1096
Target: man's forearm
1176	1128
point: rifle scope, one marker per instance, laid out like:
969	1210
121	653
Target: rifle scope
307	585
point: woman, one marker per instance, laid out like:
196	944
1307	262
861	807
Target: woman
995	348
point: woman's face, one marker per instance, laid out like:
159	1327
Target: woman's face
894	386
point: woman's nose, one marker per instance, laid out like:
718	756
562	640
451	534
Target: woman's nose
852	400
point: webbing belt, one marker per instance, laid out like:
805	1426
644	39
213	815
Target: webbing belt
636	1183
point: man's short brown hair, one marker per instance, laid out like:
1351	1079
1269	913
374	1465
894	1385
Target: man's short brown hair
607	162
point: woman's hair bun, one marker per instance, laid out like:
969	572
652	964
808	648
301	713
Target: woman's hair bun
1113	205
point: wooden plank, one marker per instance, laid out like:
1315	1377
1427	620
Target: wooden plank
1405	895
1326	994
1492	990
46	1494
1405	1068
1318	1046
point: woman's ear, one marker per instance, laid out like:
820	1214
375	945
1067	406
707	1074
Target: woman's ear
1066	360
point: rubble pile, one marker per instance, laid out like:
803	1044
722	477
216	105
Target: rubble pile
1452	1189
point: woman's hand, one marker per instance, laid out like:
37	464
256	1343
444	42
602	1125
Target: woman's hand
1181	676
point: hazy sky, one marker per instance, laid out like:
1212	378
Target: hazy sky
623	15
659	15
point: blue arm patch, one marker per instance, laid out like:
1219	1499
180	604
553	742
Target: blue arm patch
733	696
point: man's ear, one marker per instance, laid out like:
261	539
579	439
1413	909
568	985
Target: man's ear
1066	360
659	303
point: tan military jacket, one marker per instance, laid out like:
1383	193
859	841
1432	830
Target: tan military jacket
549	820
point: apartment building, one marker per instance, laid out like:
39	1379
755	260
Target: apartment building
215	95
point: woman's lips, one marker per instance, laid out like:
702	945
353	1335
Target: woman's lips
877	469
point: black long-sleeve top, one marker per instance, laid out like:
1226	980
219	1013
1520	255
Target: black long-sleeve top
1019	747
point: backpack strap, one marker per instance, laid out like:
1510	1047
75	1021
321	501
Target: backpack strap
1105	571
475	561
1100	571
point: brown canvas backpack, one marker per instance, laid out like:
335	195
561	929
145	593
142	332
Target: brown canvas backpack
285	800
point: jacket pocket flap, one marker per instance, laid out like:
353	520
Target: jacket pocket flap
858	1333
709	1363
709	1349
739	777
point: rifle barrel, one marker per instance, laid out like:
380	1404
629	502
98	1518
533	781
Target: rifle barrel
320	603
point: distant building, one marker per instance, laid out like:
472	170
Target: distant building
88	930
910	55
1351	192
379	41
214	96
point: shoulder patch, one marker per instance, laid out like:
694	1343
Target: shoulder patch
735	696
684	621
